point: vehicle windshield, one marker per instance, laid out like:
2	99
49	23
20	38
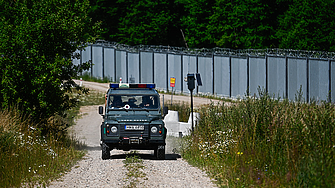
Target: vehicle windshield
133	101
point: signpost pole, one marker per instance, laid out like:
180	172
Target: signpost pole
190	79
192	111
172	84
171	96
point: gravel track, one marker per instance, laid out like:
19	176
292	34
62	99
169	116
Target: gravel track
92	171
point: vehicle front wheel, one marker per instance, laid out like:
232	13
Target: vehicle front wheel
105	151
160	152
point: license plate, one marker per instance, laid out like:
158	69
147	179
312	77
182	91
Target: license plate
134	127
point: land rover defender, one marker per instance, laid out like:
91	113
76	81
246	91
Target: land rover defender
132	120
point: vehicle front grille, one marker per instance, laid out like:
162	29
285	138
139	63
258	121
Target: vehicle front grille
134	133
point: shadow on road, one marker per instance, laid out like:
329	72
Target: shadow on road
146	156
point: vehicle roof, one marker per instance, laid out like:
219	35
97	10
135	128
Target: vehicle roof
128	91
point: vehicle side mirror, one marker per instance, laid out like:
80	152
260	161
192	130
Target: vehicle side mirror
101	110
165	110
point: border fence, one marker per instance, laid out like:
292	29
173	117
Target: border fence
224	72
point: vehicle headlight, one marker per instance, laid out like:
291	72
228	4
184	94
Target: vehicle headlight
114	129
154	129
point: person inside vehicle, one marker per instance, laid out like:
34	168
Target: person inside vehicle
131	102
146	102
117	102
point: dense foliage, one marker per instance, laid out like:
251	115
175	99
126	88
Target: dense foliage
37	41
295	24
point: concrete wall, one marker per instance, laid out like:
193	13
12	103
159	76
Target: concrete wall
229	76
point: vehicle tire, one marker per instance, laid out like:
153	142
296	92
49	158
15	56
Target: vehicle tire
160	152
155	152
105	152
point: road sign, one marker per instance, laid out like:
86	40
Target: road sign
172	82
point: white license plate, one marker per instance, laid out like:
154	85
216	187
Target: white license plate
134	127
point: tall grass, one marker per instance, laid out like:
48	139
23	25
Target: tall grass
27	157
30	155
183	109
266	142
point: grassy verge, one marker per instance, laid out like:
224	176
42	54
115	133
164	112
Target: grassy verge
29	157
134	165
264	142
88	77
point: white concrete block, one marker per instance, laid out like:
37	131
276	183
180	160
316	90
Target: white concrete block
185	128
172	116
196	118
172	128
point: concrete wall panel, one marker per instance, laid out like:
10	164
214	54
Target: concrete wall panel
318	80
174	70
221	76
109	69
133	67
160	72
238	77
86	56
189	66
205	68
97	61
297	77
257	75
276	76
146	67
121	66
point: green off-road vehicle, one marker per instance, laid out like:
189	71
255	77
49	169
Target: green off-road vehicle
132	119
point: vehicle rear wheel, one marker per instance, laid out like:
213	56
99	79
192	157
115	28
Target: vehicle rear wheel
105	152
160	153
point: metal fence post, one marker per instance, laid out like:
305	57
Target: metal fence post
103	61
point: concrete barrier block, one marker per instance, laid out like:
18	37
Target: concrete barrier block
172	116
185	128
196	118
175	128
172	128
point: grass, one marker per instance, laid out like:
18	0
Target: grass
134	165
29	157
183	109
88	77
266	142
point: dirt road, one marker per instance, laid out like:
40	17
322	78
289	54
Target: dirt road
92	171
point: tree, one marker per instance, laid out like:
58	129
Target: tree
194	22
108	13
38	40
308	25
244	24
135	22
149	22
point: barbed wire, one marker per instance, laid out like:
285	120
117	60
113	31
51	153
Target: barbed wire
219	51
